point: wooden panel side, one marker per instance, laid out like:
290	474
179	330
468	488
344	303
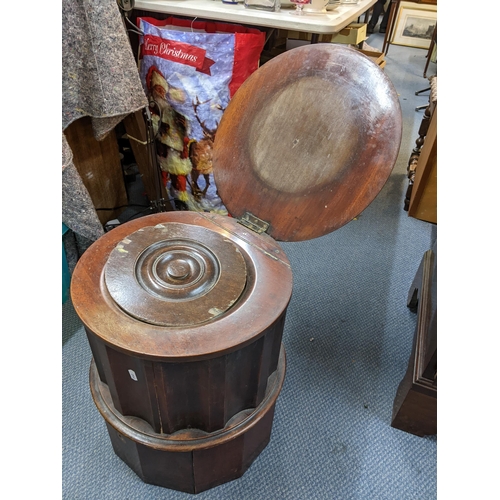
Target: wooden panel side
242	378
98	163
269	356
219	464
143	152
173	470
191	395
417	414
423	201
135	387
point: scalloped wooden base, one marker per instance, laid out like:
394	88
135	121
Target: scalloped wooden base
191	461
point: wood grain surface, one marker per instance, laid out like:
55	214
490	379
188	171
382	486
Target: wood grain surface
308	141
266	295
98	163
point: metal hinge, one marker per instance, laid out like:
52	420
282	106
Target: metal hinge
254	223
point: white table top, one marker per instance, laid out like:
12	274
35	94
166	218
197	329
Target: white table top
331	22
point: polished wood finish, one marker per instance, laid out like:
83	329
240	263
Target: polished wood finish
423	198
266	295
98	163
415	154
175	274
187	387
205	394
415	404
308	141
192	461
185	369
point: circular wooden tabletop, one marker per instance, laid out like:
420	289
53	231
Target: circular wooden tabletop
308	141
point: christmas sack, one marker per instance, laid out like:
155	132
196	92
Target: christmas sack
190	70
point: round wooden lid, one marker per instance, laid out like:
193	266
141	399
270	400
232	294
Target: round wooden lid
181	286
175	274
308	141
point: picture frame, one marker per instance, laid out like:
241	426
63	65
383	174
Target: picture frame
415	23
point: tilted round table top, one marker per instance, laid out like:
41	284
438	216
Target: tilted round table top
308	141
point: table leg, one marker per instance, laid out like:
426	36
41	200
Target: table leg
367	14
431	49
390	25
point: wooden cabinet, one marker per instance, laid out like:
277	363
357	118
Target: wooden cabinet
423	199
100	168
421	195
415	404
98	163
185	310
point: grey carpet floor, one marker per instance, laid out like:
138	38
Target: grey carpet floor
348	337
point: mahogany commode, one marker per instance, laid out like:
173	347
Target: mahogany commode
185	311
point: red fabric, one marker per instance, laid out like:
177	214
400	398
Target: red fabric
248	44
179	182
247	50
185	149
172	50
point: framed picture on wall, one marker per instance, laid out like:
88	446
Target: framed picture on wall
414	24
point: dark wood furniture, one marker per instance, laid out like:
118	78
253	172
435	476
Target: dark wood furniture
139	134
415	404
311	142
98	163
421	194
189	461
100	168
184	311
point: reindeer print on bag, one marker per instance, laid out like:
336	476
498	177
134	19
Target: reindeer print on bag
189	77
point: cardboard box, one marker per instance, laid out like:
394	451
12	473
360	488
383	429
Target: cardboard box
305	39
352	34
292	43
376	56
